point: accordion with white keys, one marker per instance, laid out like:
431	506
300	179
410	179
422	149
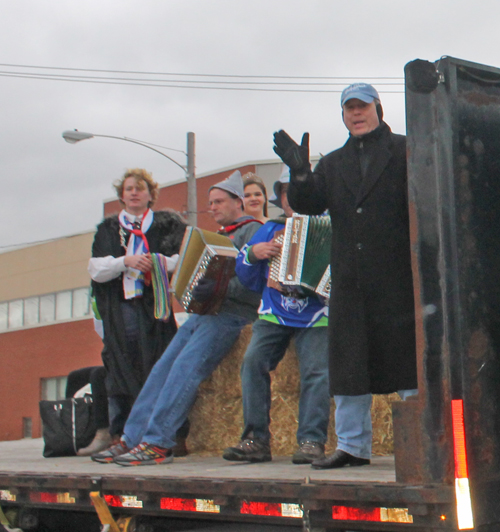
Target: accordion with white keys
303	266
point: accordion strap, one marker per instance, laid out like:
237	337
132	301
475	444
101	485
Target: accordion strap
73	424
230	228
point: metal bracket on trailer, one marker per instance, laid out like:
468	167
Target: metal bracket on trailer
122	524
5	524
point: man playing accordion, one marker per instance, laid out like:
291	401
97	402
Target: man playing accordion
283	316
196	350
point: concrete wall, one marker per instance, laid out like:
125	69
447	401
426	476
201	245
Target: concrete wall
44	268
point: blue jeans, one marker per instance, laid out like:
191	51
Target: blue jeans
266	349
170	390
353	422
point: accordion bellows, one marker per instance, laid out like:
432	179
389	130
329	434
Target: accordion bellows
304	261
203	254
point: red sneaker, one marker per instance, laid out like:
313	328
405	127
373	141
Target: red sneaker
145	454
107	456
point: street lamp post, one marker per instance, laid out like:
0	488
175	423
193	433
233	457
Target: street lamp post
192	203
75	136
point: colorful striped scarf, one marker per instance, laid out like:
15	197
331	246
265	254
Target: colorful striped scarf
133	280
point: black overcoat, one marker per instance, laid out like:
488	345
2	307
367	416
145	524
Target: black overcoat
127	371
372	321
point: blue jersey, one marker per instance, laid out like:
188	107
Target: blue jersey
275	306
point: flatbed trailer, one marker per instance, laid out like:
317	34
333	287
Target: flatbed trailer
445	473
210	489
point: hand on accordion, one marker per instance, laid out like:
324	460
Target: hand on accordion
204	290
266	250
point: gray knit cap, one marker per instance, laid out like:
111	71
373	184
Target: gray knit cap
233	184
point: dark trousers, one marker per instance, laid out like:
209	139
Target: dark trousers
95	375
121	405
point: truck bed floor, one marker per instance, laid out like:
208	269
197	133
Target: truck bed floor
25	457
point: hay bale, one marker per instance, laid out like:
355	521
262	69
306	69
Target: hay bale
383	437
217	416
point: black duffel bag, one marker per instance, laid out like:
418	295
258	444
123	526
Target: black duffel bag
68	425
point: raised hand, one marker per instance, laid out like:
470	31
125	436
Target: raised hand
294	156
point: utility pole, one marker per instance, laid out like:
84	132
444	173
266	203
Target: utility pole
192	206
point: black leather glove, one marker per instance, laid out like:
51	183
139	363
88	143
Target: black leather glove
294	156
204	290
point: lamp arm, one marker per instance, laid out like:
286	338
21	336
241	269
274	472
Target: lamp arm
146	146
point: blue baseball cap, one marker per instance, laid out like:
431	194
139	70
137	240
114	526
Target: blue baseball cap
362	91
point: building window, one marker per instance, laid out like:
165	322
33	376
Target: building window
63	305
81	302
15	314
4	315
54	388
31	310
27	427
45	309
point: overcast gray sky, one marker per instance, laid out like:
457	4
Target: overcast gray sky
51	188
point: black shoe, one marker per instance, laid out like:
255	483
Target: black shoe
248	451
180	448
308	452
339	459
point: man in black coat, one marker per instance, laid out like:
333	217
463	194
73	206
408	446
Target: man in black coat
372	321
133	339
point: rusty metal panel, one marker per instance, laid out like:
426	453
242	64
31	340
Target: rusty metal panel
453	123
408	441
